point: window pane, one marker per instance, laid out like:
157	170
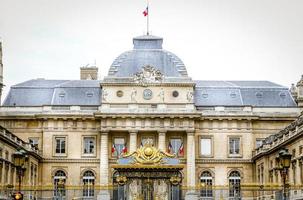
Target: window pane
176	144
147	140
234	145
119	145
60	145
89	145
206	147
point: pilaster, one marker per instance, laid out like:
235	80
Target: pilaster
191	166
161	140
133	140
104	158
190	163
104	194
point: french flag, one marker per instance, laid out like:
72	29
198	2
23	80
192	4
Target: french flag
181	150
145	12
113	148
124	150
170	148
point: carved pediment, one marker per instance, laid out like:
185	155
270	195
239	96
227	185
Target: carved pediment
148	74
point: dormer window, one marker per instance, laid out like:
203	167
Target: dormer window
259	95
89	94
62	94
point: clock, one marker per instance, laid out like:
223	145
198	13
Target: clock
147	94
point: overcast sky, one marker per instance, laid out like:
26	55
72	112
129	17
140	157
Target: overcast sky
216	39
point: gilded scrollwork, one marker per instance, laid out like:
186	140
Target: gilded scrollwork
148	154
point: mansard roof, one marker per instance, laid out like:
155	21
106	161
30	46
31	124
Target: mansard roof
242	93
38	92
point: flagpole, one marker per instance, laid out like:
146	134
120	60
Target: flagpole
147	19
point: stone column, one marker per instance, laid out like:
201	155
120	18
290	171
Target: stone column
9	174
104	182
161	140
133	140
191	166
2	172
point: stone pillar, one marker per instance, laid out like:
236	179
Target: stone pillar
161	140
191	166
2	173
9	174
133	141
104	193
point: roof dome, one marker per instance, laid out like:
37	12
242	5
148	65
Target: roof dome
147	51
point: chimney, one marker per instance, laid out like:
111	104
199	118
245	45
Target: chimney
1	72
300	92
88	73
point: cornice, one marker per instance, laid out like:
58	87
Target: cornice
163	84
149	115
70	160
223	161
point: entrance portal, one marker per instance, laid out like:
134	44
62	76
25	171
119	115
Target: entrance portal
147	174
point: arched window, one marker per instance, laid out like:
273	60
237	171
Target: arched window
59	183
234	184
88	184
206	184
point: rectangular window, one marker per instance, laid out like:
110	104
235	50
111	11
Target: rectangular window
234	146
60	145
259	142
176	146
89	145
119	146
206	148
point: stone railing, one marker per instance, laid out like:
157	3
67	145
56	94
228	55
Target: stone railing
291	131
13	138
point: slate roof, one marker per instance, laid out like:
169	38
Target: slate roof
147	51
242	93
39	92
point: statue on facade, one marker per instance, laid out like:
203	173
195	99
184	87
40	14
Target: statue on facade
104	95
161	95
133	95
190	96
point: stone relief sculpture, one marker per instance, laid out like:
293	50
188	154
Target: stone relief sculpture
104	95
190	96
133	95
148	74
161	95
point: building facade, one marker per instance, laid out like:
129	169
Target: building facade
83	127
267	165
10	144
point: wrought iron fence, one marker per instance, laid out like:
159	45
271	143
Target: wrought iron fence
198	194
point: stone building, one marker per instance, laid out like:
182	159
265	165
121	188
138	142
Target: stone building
9	144
266	163
83	127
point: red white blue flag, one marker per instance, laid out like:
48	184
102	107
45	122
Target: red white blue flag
145	12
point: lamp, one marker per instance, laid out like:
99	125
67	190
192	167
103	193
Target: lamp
283	159
19	161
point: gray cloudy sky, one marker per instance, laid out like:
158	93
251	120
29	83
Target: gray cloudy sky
216	39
